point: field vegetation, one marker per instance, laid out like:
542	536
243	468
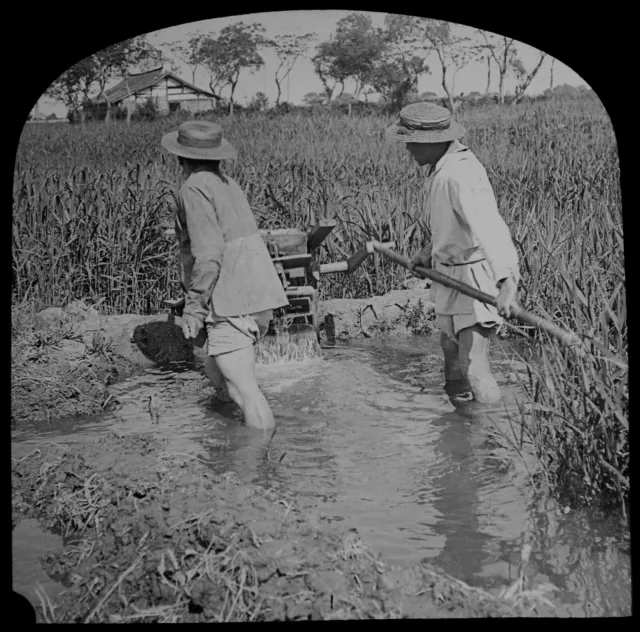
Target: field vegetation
92	204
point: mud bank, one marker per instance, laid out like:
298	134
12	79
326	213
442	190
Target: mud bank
154	536
400	312
64	359
143	533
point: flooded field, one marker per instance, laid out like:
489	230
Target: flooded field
366	437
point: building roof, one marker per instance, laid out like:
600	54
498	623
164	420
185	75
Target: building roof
143	80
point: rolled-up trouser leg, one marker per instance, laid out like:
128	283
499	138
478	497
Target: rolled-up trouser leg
456	383
474	357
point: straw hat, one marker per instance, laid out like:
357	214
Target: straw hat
425	123
199	140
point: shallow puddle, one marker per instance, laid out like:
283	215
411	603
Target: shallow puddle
30	543
367	437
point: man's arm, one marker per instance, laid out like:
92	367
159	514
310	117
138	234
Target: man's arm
207	247
184	244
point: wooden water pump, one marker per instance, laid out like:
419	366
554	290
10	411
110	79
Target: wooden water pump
294	254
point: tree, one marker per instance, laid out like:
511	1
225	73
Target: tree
564	91
453	53
553	61
225	57
259	102
395	80
404	37
74	85
145	57
288	49
503	53
524	78
314	98
346	99
486	92
357	47
396	73
322	63
186	52
350	53
120	59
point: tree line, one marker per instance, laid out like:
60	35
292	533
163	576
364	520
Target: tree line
385	61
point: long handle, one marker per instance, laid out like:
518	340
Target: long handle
329	268
567	338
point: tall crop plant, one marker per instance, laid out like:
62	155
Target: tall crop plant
91	205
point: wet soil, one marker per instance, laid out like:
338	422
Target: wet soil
147	534
157	537
119	519
64	359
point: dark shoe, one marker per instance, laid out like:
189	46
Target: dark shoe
457	388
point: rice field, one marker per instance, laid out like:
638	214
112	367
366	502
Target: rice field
92	204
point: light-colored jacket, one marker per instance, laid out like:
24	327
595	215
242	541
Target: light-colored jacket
466	227
226	266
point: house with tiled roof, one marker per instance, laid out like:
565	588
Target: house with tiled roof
167	91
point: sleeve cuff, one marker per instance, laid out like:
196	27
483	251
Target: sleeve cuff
505	273
193	309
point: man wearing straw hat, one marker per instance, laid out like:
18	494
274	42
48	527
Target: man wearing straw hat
230	281
469	242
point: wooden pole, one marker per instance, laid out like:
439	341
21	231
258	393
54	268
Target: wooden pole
567	338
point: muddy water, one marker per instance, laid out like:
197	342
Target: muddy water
366	437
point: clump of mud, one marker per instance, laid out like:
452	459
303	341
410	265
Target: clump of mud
153	536
53	373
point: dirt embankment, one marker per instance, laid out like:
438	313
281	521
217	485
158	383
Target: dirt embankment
154	536
64	359
408	311
151	536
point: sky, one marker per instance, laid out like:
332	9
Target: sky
322	24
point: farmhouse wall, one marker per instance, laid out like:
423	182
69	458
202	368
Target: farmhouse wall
197	105
189	102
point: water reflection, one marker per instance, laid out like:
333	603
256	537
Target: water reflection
581	553
456	496
419	479
266	457
359	441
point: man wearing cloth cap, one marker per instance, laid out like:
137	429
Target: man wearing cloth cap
231	284
469	242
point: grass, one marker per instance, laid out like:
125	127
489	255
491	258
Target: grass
135	551
91	206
